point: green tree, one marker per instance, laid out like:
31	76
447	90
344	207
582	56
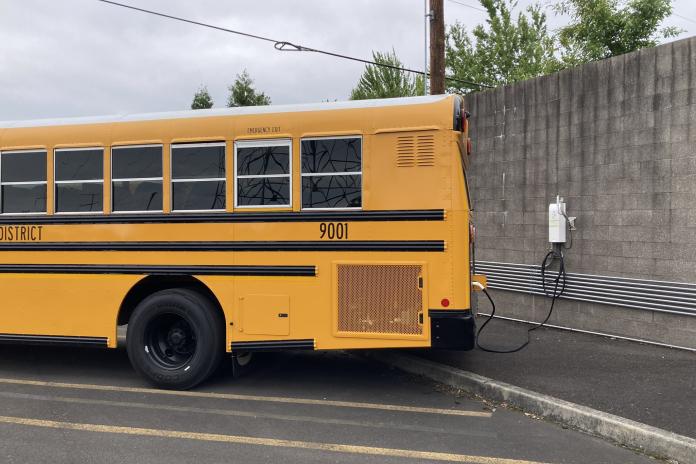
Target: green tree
504	50
202	99
602	28
242	93
382	82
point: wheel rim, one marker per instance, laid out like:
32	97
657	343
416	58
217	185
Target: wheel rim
170	341
244	358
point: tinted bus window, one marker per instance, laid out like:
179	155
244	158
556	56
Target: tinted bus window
136	178
332	173
79	180
198	177
262	173
23	181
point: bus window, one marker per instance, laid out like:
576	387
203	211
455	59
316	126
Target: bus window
136	173
23	181
79	180
198	177
332	173
262	175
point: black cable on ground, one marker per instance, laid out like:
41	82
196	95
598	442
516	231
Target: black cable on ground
559	280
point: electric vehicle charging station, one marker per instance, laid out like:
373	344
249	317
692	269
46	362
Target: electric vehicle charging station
560	228
557	221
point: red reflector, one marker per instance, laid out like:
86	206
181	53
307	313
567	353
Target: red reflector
444	302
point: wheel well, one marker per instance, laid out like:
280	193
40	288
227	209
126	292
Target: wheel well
151	284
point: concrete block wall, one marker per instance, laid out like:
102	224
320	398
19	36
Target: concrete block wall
617	139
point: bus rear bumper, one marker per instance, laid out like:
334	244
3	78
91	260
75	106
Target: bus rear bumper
452	329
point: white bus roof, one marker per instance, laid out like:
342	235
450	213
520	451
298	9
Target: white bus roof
385	102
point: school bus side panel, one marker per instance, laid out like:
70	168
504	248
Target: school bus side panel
62	305
407	167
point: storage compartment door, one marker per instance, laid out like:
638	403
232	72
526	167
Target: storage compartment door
265	314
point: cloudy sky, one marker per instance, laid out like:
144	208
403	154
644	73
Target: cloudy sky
83	57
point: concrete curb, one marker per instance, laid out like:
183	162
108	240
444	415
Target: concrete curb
650	440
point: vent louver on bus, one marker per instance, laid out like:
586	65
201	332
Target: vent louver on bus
380	298
415	150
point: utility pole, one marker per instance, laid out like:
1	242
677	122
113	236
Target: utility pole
426	20
437	47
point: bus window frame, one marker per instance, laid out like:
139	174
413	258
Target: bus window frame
246	143
202	179
131	179
88	181
24	150
360	173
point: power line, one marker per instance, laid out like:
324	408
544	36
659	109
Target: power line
190	21
285	46
684	17
468	6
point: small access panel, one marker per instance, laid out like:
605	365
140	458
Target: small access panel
265	314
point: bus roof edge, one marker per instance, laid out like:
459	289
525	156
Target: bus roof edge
217	112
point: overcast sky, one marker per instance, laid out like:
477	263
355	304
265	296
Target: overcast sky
83	57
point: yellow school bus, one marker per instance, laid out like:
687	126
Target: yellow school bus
328	226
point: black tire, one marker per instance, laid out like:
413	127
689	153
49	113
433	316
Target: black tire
175	338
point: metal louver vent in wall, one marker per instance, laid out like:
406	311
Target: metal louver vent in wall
415	150
654	295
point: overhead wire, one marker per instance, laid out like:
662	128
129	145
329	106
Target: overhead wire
285	46
686	18
468	6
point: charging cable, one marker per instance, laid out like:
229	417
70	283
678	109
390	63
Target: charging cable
559	283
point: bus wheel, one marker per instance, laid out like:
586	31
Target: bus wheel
175	338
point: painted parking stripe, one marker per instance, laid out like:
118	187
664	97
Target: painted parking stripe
272	442
238	397
249	414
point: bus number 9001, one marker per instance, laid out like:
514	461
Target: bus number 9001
333	230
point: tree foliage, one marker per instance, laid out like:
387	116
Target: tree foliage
202	99
382	82
504	50
242	93
509	48
602	28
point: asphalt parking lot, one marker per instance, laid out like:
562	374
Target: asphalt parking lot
72	406
650	384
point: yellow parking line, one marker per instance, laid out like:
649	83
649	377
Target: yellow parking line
396	425
213	437
232	396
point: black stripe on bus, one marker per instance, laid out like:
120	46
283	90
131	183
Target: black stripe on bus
354	245
273	345
157	270
447	313
302	216
53	340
